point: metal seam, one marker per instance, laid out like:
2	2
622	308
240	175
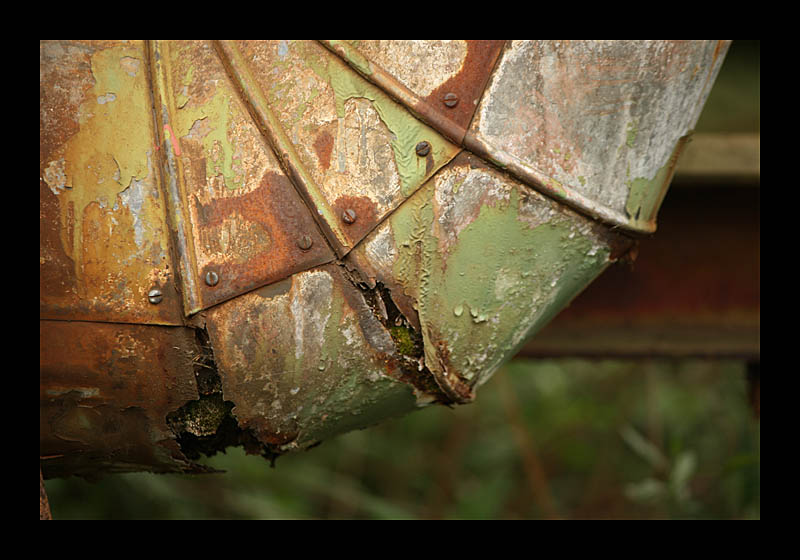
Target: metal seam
394	89
521	171
170	173
251	95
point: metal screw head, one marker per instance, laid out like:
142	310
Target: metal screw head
305	243
212	278
450	99
155	296
349	216
423	149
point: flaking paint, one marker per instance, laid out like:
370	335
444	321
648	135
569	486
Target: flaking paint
105	187
487	263
330	377
406	130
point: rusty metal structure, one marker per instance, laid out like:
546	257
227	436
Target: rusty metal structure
267	243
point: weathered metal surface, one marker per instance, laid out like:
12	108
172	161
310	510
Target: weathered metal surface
353	146
313	356
440	81
597	124
478	263
102	219
346	261
104	394
241	218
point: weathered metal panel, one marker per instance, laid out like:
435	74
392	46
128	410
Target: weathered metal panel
483	262
440	81
243	220
104	394
276	158
310	357
104	242
597	124
355	147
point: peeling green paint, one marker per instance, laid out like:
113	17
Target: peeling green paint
512	275
406	130
216	144
631	131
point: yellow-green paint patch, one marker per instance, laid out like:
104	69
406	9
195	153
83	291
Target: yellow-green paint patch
111	148
406	130
645	195
217	146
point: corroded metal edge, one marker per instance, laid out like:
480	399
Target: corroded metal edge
171	173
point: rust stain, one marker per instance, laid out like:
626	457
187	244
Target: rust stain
468	84
260	230
456	388
366	216
323	146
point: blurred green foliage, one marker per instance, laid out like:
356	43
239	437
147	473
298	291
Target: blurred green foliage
569	438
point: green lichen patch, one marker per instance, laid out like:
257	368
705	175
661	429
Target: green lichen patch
406	340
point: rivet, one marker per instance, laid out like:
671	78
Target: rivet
423	149
450	99
212	278
305	243
349	216
155	296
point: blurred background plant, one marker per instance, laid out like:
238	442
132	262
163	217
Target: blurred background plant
567	438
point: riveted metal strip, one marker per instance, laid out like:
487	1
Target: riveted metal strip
439	81
238	222
357	153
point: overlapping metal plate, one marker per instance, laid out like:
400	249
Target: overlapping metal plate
440	81
478	262
239	222
597	124
353	146
107	390
104	240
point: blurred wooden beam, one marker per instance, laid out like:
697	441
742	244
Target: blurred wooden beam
732	159
694	289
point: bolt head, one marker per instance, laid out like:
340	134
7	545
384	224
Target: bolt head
212	278
349	216
423	149
305	243
155	296
450	99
